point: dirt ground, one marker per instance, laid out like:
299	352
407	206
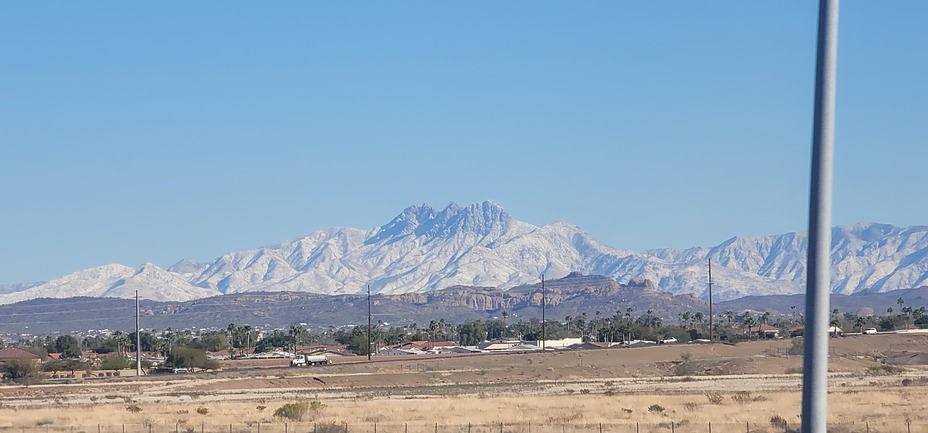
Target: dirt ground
592	385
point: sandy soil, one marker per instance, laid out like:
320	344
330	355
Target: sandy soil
400	389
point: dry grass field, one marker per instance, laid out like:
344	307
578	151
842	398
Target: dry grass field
751	387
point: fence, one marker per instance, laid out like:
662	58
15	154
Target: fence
890	426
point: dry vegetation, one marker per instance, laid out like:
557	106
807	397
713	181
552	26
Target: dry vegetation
728	386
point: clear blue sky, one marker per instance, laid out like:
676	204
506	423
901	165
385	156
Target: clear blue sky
153	132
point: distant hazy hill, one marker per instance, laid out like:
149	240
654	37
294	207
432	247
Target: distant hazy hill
425	249
571	295
863	303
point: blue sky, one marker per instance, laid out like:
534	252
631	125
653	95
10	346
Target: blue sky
137	133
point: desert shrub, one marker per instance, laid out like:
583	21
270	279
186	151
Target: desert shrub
190	429
202	410
715	398
656	408
569	391
584	391
884	370
316	405
115	363
260	408
685	369
44	422
329	428
609	392
609	384
793	370
691	405
565	417
627	410
778	421
292	411
185	357
741	397
20	370
134	408
686	356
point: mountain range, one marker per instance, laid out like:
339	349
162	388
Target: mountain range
424	249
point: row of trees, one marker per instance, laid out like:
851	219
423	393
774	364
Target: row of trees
622	325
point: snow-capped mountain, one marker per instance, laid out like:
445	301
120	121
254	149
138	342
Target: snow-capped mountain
425	248
115	281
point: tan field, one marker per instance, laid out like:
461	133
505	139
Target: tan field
751	387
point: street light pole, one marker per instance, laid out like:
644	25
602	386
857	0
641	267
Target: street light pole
818	278
368	322
544	336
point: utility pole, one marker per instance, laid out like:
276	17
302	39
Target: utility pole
368	322
818	277
138	338
710	301
544	294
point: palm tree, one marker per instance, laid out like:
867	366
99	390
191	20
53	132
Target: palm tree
297	336
231	329
698	317
859	324
749	322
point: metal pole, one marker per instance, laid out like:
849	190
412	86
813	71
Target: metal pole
138	338
710	301
369	322
815	359
543	328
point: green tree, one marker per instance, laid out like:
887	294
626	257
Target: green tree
149	342
274	340
212	341
68	346
71	365
859	324
20	370
116	363
186	357
357	344
473	333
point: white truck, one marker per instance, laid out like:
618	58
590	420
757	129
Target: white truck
304	360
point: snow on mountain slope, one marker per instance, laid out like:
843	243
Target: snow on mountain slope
115	281
425	248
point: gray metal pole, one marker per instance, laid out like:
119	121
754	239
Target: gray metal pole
138	338
710	301
544	337
818	281
369	322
